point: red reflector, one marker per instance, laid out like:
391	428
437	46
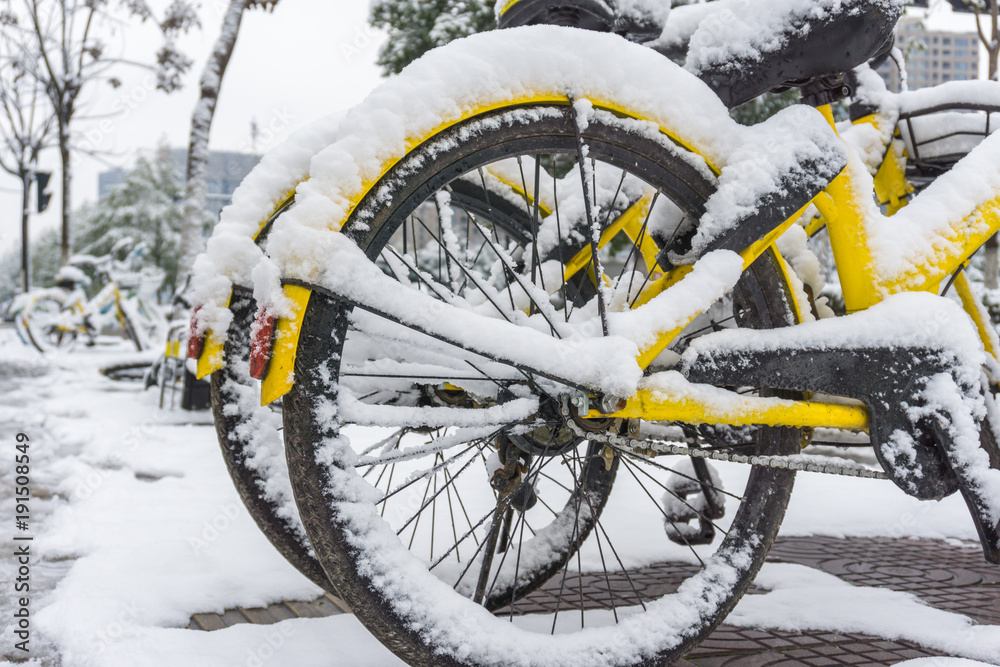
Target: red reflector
261	344
196	342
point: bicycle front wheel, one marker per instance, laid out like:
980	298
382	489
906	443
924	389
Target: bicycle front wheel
366	389
48	325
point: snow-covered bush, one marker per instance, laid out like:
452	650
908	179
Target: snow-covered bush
417	26
146	207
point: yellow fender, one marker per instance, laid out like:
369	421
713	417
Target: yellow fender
280	376
281	369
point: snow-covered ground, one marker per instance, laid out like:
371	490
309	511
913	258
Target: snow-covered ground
136	527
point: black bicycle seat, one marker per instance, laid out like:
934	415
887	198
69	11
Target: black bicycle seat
790	47
634	23
740	48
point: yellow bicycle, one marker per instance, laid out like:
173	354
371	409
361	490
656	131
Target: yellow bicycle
57	318
533	316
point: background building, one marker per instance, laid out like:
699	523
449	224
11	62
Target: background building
939	44
932	56
225	172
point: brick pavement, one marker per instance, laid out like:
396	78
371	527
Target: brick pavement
949	577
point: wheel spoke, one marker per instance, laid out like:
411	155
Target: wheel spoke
600	551
575	499
698	513
469	273
425	502
593	225
545	311
646	459
431	471
628	467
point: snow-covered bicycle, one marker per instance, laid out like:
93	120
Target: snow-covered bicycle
470	382
55	318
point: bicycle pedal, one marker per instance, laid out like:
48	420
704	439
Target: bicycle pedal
688	535
694	494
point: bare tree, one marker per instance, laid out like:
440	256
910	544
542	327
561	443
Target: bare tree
990	9
68	39
201	126
26	127
991	42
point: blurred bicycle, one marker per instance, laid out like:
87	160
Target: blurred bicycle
56	318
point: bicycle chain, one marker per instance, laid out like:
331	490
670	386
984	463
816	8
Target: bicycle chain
648	448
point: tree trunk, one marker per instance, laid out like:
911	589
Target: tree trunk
192	241
25	242
66	243
991	268
994	48
991	250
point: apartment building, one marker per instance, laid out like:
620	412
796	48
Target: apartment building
939	44
225	172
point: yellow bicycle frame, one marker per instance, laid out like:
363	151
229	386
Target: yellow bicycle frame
841	206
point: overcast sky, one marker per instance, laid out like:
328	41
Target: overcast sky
307	59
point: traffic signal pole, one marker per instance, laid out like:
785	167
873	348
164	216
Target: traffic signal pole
25	214
44	197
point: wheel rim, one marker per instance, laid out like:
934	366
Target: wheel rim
46	325
329	493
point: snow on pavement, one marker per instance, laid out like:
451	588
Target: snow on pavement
802	598
137	527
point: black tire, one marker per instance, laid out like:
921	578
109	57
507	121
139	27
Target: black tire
235	407
131	332
392	595
43	338
132	371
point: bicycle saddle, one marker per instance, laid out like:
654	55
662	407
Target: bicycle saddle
638	21
740	48
70	277
748	47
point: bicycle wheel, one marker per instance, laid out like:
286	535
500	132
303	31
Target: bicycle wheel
127	371
360	376
251	442
251	445
130	331
48	325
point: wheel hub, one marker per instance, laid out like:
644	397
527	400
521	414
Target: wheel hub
551	437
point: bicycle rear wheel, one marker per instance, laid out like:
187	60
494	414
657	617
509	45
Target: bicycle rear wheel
47	325
353	370
251	443
128	371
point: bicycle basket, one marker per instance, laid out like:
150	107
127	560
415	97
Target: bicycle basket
939	133
130	281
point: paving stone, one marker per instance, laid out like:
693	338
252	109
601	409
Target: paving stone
234	617
258	616
946	576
